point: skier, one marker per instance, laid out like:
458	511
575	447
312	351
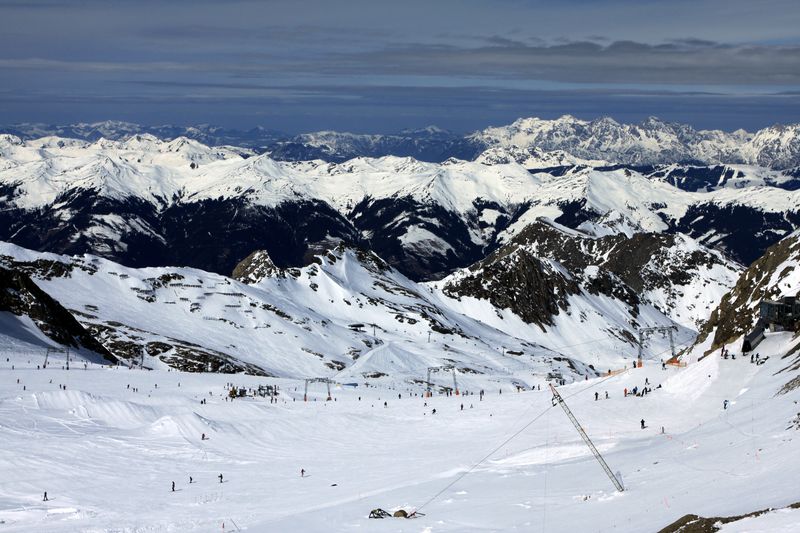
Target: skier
462	406
302	472
203	436
634	364
626	392
191	480
434	411
45	497
596	396
385	404
642	423
220	476
173	486
725	404
606	395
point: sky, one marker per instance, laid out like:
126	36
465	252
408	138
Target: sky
378	66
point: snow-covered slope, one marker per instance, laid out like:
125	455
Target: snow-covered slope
347	313
507	462
350	311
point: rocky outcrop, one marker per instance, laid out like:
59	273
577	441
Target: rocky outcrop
21	296
515	279
544	263
773	275
255	267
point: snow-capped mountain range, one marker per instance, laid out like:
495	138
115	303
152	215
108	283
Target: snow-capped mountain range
650	142
148	202
551	231
653	141
116	130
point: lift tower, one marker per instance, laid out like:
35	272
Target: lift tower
558	399
429	391
645	332
327	382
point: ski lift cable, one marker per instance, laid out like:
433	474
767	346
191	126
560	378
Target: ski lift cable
506	441
684	343
484	458
591	341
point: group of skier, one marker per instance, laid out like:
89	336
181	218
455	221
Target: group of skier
755	358
191	482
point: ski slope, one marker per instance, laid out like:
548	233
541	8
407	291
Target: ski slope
302	323
107	455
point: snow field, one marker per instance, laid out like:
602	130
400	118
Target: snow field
107	455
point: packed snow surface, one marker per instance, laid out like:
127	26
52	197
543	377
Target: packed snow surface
106	443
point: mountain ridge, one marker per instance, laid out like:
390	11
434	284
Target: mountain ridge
651	141
147	202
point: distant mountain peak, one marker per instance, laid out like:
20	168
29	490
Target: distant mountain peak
652	141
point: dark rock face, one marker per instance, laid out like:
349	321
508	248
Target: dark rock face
517	280
523	275
699	178
21	296
216	235
741	232
624	257
744	234
385	222
212	235
255	267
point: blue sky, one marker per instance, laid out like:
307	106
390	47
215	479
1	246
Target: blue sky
375	66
